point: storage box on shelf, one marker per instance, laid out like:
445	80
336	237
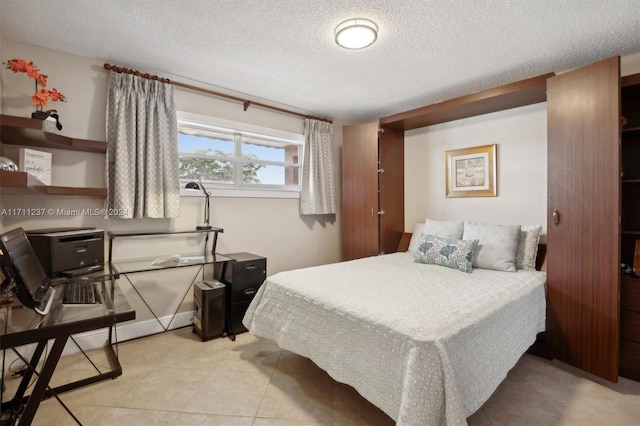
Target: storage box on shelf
35	133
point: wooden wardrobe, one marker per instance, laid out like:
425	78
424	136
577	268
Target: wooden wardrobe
372	190
629	359
373	163
593	220
587	201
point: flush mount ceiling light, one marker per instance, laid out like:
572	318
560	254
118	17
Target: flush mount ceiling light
356	33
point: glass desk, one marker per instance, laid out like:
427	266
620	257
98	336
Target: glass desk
126	268
20	326
146	264
215	231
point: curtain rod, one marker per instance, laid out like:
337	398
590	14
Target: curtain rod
245	102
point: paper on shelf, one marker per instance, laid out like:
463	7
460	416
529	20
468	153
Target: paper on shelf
176	259
36	163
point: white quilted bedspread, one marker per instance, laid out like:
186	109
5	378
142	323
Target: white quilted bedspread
426	344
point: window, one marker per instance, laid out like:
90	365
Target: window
230	155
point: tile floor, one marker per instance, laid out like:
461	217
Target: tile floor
175	379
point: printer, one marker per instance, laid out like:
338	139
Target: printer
69	252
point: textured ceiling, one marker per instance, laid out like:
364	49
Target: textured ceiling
283	52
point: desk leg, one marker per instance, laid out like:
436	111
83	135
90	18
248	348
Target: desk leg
116	370
17	401
43	380
227	311
33	363
215	243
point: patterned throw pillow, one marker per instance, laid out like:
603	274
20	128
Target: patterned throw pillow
527	250
456	254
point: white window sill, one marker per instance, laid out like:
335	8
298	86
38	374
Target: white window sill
240	193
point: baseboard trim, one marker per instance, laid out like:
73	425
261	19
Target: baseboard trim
122	332
138	329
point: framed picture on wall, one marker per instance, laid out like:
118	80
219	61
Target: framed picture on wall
471	172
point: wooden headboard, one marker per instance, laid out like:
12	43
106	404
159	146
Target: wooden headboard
403	245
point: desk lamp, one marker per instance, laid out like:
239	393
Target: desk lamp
207	208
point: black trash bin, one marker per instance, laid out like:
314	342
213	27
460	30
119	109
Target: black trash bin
209	301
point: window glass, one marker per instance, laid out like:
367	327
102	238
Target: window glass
224	157
271	175
195	141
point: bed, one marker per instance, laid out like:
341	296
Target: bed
425	343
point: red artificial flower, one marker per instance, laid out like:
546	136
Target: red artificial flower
55	95
17	65
42	96
20	65
32	71
42	80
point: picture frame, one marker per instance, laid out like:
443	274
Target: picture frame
471	172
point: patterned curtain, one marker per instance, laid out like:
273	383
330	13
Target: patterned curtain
142	151
318	180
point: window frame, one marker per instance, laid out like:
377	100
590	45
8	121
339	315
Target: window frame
238	130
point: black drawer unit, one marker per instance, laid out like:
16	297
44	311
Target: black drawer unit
243	276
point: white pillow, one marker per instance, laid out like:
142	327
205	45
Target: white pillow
528	247
414	243
450	229
496	247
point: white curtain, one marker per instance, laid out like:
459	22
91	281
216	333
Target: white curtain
143	177
318	194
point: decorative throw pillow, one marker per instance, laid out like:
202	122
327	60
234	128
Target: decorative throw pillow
451	229
456	254
528	247
414	243
496	247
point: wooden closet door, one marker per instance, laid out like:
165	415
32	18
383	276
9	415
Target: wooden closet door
359	191
391	184
583	245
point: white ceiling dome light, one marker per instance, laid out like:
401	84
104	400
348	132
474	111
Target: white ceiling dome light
356	33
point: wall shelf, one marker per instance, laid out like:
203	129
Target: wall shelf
31	132
19	182
71	190
39	133
521	93
16	179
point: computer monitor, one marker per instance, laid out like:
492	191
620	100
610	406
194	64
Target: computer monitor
21	265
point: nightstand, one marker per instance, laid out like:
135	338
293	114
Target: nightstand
243	276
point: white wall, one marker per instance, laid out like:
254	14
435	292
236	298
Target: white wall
521	138
630	64
266	226
270	227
